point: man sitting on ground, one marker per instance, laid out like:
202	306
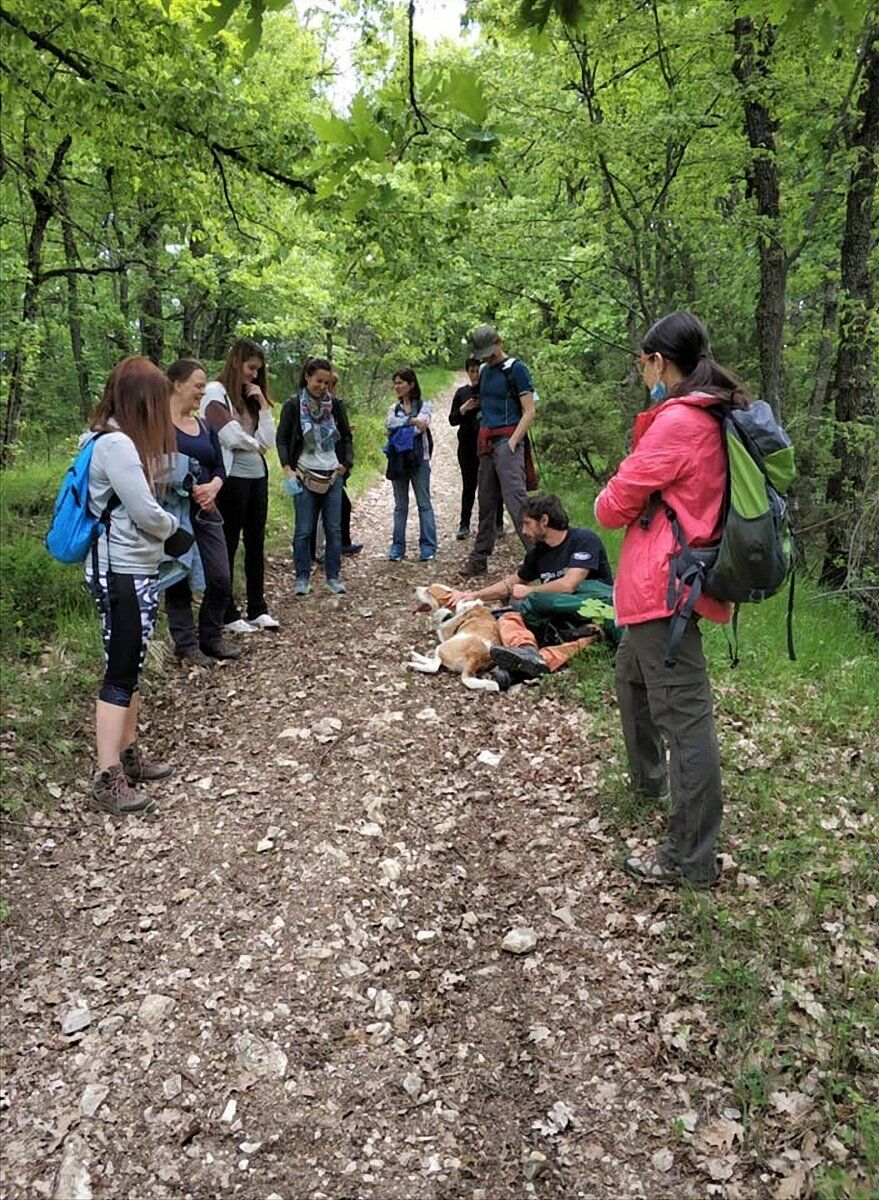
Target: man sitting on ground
560	563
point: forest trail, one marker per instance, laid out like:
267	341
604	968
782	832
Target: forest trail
291	982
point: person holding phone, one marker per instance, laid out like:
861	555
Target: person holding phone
201	445
464	416
237	406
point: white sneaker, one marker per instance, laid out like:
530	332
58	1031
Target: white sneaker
265	621
239	626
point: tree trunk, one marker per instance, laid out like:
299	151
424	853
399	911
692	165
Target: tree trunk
152	325
21	367
750	67
854	376
74	309
824	361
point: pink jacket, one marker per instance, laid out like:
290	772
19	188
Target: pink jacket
676	450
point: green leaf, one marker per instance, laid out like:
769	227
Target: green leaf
466	92
361	116
480	142
333	129
218	17
253	29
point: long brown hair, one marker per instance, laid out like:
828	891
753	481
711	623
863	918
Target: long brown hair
136	397
231	375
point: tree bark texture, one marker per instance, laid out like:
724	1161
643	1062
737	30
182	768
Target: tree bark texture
152	325
74	309
854	377
753	48
45	206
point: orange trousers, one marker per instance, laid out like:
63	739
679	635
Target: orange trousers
515	633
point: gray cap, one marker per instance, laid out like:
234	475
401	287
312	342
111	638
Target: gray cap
483	340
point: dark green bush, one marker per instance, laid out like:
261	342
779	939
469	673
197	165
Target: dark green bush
35	593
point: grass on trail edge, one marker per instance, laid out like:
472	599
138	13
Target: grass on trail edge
50	646
778	979
778	971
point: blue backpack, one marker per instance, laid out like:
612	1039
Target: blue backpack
74	531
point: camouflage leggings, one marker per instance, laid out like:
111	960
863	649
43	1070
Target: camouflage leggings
128	606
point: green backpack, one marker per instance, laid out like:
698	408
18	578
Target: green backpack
755	553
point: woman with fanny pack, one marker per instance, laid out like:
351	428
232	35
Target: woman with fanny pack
409	448
237	405
201	445
316	452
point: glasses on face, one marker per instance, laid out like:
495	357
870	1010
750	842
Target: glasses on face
641	361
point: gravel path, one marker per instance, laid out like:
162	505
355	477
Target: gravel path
291	983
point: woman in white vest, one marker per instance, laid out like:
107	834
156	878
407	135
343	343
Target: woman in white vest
238	406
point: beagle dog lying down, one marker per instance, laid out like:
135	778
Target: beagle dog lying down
465	637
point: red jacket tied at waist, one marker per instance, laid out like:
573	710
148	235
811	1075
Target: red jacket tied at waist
486	436
677	451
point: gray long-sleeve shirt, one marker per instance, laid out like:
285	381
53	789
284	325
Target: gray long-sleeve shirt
139	526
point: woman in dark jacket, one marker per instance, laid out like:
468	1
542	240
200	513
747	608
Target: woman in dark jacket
316	452
464	415
201	444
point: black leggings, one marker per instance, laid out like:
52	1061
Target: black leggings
128	606
244	504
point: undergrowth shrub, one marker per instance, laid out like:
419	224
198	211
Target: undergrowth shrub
37	594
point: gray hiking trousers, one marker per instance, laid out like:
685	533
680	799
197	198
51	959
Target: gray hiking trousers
673	705
501	476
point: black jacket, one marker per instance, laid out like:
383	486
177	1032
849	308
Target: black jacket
289	436
468	423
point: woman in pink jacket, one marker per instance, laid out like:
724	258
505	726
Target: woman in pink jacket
675	475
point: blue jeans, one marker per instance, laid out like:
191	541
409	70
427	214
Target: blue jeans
308	506
426	520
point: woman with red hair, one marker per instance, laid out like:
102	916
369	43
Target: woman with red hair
134	433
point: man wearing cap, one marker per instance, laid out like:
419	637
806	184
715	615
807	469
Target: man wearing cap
506	399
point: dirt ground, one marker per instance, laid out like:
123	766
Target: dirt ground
291	982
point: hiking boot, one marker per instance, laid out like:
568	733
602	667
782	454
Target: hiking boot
194	657
302	587
471	568
140	769
354	548
523	662
462	534
502	678
652	867
222	650
112	793
336	587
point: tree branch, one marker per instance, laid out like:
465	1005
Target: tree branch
58	272
84	71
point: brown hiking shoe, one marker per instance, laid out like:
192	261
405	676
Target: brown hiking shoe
192	656
471	568
139	769
112	793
